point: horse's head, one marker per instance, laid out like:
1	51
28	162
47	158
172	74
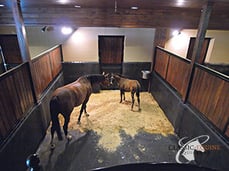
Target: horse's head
114	77
106	82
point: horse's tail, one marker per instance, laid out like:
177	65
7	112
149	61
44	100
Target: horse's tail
54	111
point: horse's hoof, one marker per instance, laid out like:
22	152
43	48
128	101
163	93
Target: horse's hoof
78	122
52	146
69	137
87	114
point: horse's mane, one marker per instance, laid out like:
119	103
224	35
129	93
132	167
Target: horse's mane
120	75
95	78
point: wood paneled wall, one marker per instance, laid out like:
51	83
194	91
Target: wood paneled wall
178	73
18	89
209	94
161	62
16	98
45	68
175	70
208	91
55	61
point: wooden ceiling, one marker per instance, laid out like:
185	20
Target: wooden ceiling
118	13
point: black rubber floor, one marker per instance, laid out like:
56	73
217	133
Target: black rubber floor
82	153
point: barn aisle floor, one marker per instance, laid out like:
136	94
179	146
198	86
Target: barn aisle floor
112	135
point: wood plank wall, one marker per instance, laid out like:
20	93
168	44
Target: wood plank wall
175	70
209	90
16	98
209	94
178	73
45	68
161	63
17	89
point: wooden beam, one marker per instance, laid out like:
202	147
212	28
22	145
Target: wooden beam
20	29
202	28
185	18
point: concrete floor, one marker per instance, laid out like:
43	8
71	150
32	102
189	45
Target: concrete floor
82	152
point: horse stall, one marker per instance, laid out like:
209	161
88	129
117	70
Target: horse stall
161	132
156	136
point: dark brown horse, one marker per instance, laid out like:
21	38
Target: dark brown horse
127	85
65	98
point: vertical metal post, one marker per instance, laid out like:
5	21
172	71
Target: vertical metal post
202	28
3	60
22	39
20	29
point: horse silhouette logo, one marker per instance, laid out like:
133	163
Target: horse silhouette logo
187	149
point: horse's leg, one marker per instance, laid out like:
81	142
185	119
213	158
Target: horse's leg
138	97
85	111
83	108
132	95
120	95
52	135
55	127
65	127
81	111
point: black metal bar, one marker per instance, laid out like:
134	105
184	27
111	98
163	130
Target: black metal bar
203	24
3	60
213	72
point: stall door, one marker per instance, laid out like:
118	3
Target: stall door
111	53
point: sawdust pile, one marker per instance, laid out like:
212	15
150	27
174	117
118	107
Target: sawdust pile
108	117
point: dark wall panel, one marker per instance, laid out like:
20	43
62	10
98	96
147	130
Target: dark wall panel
73	71
132	70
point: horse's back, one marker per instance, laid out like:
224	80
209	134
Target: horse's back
130	85
72	95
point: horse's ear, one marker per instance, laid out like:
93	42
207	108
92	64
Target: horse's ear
105	74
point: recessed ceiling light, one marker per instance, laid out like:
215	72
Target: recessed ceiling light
63	1
77	6
180	2
134	8
2	5
176	32
66	30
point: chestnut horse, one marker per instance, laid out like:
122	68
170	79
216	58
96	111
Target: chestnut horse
127	85
65	98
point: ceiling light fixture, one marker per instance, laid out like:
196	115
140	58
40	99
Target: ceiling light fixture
134	8
63	1
2	5
176	32
77	6
66	30
180	2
